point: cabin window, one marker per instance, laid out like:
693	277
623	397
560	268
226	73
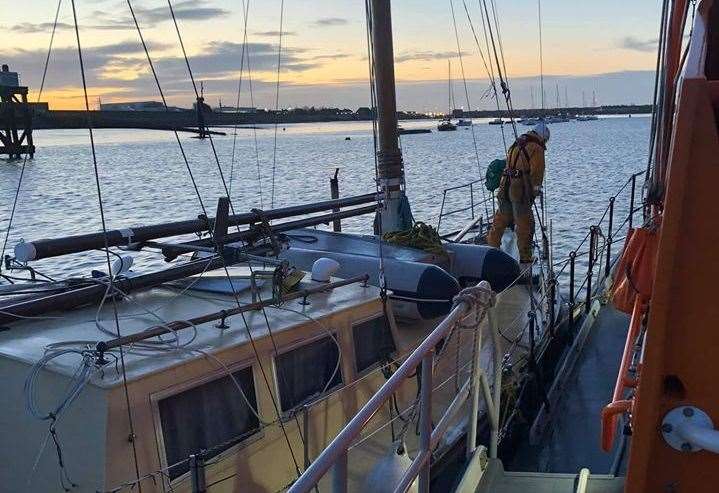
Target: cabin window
307	372
373	342
213	417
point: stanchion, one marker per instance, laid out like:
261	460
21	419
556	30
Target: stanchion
590	268
608	260
572	301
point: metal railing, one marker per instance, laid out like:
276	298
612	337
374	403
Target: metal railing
599	259
618	405
471	307
475	202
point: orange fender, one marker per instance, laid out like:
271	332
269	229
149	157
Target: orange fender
635	270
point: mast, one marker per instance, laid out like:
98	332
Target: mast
396	214
566	98
559	103
449	89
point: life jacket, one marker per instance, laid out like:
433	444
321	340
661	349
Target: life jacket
511	171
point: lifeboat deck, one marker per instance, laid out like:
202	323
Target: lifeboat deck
577	413
568	457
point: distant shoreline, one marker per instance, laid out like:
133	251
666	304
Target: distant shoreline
161	120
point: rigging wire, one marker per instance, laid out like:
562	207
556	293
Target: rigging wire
262	370
469	106
499	36
104	230
24	162
245	6
277	103
224	263
198	98
254	127
246	53
380	206
504	83
488	68
167	109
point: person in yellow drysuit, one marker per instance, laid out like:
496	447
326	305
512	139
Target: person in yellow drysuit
521	182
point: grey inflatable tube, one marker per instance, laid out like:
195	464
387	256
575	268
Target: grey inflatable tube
474	263
427	286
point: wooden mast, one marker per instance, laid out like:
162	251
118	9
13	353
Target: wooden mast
396	215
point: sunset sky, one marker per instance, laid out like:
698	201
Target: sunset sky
607	47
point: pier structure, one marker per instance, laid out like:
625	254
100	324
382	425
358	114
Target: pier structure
16	117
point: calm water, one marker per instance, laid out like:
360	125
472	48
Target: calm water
144	179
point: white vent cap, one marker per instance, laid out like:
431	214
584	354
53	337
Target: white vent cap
324	268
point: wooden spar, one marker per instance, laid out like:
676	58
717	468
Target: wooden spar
55	247
88	294
304	223
395	216
93	293
158	330
172	250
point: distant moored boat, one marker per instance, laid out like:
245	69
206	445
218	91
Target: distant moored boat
446	126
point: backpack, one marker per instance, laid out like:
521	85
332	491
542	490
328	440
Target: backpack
493	176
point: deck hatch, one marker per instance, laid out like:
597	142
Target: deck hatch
212	416
308	371
373	342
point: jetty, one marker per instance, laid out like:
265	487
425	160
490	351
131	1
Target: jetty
15	116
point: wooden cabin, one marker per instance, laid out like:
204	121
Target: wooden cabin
184	400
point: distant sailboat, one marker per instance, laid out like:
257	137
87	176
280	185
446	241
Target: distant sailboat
447	125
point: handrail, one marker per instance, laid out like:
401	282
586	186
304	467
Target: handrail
688	429
464	185
471	302
613	235
704	437
619	405
473	204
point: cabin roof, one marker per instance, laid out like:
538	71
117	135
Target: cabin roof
27	340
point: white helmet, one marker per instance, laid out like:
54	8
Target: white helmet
542	130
